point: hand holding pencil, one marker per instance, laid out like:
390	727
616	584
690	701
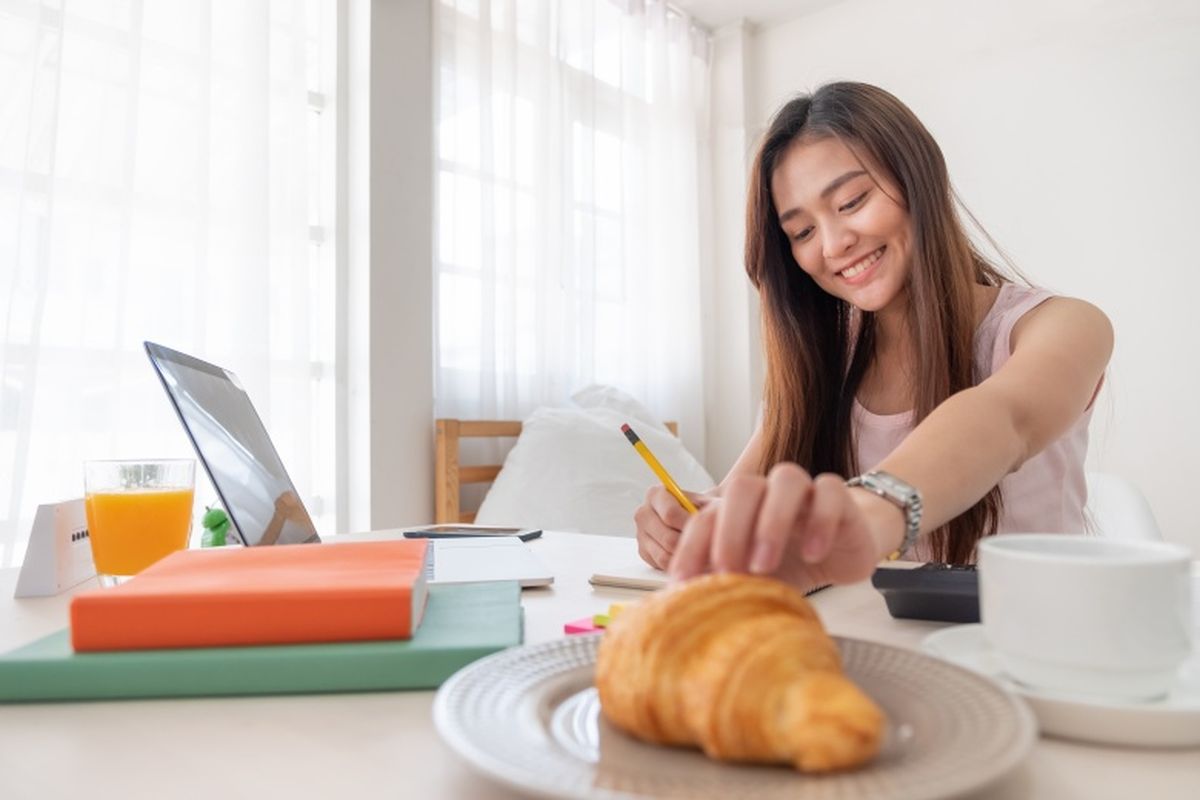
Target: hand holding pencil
666	509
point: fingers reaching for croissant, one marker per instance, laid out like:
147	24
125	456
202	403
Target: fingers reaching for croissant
741	667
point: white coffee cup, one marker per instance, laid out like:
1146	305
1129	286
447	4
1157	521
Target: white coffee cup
1085	614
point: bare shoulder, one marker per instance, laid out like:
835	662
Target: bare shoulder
1076	321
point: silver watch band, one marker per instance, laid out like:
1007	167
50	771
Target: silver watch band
900	494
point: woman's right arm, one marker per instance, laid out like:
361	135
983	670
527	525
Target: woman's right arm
660	518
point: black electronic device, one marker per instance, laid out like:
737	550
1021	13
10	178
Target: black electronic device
467	531
940	592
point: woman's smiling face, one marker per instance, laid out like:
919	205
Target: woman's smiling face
846	224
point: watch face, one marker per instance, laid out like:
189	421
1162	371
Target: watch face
895	486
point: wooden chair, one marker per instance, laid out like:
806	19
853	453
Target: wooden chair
450	476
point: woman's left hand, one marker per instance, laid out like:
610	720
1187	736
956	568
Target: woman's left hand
806	531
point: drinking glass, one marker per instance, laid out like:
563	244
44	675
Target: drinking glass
137	512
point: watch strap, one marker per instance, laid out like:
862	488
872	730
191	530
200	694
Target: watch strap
900	494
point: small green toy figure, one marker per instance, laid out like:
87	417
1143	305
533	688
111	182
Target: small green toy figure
216	526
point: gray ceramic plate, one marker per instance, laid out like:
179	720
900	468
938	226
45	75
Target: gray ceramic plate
529	717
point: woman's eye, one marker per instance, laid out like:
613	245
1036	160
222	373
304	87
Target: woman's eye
804	234
855	203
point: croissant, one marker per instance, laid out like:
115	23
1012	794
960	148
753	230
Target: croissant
741	667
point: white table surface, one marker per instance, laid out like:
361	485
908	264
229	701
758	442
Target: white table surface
384	744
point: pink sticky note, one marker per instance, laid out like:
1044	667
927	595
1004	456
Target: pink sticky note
585	625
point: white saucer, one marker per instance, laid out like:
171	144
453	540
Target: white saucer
1173	721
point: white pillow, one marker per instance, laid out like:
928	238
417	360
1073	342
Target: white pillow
599	395
573	470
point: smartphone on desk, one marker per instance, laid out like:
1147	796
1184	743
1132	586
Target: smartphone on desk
459	531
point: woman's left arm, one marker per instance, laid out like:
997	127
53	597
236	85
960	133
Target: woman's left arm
816	530
971	441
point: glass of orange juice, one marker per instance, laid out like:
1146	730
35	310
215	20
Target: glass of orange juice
137	512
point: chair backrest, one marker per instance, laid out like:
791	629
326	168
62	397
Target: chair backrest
450	475
1118	509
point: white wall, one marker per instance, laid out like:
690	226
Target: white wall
1072	131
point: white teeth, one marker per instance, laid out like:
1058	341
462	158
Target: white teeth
857	269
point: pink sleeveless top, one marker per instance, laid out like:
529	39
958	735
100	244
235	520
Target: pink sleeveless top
1047	493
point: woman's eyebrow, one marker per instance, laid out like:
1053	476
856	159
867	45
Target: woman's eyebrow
828	190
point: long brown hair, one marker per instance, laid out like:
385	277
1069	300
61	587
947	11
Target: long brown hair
816	351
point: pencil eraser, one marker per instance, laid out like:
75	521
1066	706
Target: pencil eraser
585	625
600	620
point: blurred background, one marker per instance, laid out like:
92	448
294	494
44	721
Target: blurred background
378	212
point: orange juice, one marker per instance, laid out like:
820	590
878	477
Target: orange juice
130	530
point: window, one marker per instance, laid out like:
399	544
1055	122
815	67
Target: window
165	174
568	161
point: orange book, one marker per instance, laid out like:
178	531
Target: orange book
282	594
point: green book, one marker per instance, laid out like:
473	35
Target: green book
462	623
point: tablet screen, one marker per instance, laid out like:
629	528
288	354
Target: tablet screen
235	449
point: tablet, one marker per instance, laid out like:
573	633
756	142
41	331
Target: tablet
232	444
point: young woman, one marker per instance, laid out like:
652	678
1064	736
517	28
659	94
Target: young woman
894	347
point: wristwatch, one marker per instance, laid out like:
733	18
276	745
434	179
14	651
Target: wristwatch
900	494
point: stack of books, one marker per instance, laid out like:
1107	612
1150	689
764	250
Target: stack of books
268	620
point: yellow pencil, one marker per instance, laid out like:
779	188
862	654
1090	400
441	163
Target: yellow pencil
662	474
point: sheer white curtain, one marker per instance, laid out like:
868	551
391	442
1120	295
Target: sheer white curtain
569	138
156	182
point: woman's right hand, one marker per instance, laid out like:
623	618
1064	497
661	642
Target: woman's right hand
660	520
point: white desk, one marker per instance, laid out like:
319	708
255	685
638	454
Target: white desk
384	744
